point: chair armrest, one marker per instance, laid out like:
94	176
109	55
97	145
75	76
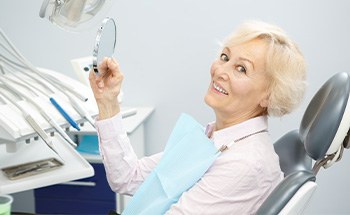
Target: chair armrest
284	191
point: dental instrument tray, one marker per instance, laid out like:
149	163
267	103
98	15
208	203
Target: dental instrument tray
35	165
32	168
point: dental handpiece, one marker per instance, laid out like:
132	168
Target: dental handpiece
81	111
65	114
58	128
40	131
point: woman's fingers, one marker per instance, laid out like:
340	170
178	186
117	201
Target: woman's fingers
106	68
93	82
111	73
108	82
103	66
114	66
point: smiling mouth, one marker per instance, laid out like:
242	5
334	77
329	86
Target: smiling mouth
219	89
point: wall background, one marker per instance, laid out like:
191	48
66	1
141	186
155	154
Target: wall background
165	49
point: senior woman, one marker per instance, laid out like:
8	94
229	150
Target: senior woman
259	72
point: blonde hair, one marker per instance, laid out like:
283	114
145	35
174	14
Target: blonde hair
285	64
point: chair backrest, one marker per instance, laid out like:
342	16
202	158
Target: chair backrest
321	136
292	154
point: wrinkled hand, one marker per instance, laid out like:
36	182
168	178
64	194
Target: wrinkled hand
106	87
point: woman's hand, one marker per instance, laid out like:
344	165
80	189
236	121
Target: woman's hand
106	87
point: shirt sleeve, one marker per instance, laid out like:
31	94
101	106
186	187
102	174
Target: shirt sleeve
124	171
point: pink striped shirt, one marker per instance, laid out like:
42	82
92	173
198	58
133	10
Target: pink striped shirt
237	182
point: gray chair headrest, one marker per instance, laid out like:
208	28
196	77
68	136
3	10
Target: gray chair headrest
326	120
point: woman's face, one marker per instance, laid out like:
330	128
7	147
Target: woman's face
239	82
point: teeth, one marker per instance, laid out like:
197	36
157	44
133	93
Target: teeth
220	89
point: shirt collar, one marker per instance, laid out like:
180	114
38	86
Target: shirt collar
227	135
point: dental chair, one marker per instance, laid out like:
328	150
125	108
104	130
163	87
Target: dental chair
321	139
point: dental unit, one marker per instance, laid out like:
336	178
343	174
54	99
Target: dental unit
36	148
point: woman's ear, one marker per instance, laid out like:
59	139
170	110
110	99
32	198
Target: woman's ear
264	102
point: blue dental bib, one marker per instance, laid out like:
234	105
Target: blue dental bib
187	156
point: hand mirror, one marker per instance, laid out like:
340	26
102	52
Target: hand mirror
105	42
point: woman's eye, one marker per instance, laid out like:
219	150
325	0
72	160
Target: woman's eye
224	57
241	69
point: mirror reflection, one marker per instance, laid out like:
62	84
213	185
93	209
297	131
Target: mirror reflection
105	42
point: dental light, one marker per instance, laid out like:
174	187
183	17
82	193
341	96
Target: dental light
75	15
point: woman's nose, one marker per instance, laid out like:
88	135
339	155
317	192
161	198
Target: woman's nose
220	70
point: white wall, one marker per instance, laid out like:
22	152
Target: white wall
165	49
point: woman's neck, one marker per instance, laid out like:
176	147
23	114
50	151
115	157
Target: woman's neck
225	121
